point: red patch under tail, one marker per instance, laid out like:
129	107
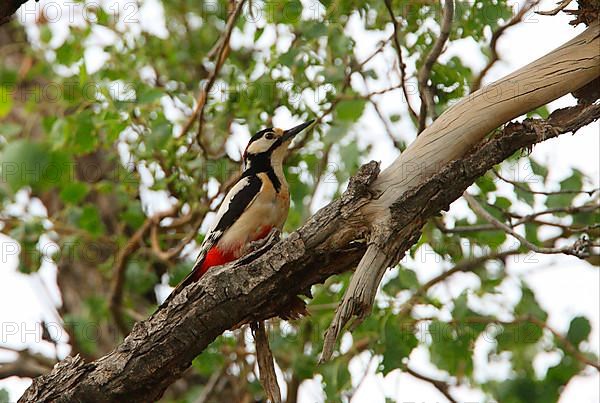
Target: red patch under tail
216	257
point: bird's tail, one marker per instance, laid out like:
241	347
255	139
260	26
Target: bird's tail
194	276
294	309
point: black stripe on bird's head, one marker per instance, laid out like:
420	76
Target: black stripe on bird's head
271	142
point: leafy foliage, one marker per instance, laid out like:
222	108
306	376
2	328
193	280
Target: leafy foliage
101	146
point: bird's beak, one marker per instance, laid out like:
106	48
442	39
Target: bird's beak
289	134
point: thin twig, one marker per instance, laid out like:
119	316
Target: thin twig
266	365
425	90
494	41
401	64
116	288
388	129
538	192
461	267
173	252
221	55
442	386
565	342
523	219
578	249
561	6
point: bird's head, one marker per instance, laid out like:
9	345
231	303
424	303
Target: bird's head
270	145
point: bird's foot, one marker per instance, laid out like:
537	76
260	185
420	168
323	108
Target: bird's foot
259	247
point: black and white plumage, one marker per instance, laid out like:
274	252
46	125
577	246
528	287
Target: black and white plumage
255	205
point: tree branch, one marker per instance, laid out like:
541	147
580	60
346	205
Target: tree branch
425	90
517	185
529	4
118	279
442	386
578	249
221	55
27	364
401	65
159	349
561	6
266	364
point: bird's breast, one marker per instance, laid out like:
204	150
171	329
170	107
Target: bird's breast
269	210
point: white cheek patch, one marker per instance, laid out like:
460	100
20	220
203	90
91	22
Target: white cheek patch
260	146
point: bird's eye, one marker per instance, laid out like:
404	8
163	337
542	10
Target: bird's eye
269	136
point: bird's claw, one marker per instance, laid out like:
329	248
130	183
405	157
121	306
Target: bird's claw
259	247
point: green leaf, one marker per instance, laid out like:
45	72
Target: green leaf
528	305
407	278
350	110
394	118
493	238
149	95
538	169
523	192
451	348
502	203
561	374
314	29
486	183
572	183
6	102
160	135
138	278
399	341
25	163
85	139
518	336
74	192
90	221
133	216
579	330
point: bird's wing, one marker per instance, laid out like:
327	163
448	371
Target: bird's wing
238	200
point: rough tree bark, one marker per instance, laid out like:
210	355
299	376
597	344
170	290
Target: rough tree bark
431	174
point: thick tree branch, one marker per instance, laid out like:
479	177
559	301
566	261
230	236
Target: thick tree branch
159	349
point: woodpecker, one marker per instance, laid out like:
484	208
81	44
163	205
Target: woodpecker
256	205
